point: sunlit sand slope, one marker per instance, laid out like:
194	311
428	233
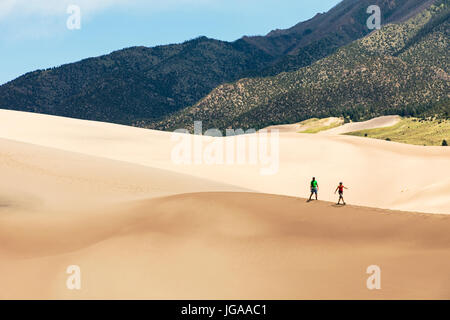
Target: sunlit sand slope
379	173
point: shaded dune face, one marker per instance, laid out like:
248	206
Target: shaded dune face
227	245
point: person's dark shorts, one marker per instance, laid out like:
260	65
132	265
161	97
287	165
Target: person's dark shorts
314	190
341	193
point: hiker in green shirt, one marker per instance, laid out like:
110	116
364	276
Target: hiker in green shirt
314	188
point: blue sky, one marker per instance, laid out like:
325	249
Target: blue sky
33	33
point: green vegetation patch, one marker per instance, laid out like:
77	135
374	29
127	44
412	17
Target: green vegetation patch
315	125
412	131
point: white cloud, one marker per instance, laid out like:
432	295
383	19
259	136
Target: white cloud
9	8
35	19
51	7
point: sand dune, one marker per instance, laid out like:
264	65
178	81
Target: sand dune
380	122
227	246
35	177
109	199
380	174
301	126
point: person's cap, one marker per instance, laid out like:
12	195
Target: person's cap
340	182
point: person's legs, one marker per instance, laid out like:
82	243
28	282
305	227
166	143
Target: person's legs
313	191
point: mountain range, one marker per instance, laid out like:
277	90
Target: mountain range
400	69
312	69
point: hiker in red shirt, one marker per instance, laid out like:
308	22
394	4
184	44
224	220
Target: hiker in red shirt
341	193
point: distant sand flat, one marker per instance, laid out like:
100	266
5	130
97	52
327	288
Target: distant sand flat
380	122
108	198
